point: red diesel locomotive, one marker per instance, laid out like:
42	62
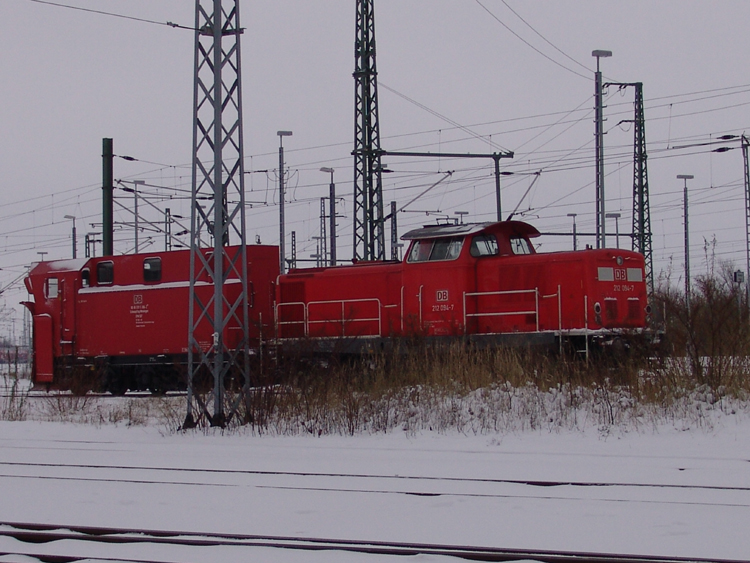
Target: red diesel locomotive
114	323
121	322
481	281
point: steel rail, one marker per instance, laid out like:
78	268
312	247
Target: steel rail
530	482
46	533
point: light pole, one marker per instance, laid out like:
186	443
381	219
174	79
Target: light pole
73	234
685	178
281	134
616	217
332	213
575	232
601	237
136	183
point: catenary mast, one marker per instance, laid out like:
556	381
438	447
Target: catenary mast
369	229
217	217
641	207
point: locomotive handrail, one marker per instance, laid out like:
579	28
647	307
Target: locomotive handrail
306	322
535	312
344	320
303	322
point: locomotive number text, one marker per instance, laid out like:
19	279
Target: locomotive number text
438	308
624	287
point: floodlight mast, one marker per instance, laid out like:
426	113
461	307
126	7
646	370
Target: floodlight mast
685	178
218	183
332	213
601	237
282	197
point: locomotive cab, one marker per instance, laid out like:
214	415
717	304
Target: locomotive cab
444	267
488	279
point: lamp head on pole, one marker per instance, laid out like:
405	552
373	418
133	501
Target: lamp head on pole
283	134
685	176
599	54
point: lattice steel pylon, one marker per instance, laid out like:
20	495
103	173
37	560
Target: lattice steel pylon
369	229
218	272
641	207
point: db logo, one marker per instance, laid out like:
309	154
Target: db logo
137	299
441	295
620	274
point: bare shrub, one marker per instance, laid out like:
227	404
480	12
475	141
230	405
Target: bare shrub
14	400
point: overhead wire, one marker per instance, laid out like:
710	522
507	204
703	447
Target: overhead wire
112	14
498	20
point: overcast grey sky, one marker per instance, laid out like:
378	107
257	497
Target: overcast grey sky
71	78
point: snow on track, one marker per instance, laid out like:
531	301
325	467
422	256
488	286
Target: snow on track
666	493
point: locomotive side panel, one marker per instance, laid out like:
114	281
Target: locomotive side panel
433	297
361	300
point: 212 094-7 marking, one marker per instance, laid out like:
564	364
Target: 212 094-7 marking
438	308
625	287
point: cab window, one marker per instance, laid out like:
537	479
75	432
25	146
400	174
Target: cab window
152	270
519	245
85	277
484	245
105	273
434	250
51	288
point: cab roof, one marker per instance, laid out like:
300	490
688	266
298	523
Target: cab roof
439	231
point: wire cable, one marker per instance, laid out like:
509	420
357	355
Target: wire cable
112	14
498	20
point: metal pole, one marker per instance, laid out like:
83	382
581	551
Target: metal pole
575	232
282	264
601	241
135	210
107	197
332	213
496	157
685	178
332	218
394	231
323	250
745	143
293	264
73	234
167	229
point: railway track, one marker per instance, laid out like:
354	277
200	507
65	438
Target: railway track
358	476
52	543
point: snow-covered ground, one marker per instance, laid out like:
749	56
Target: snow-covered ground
692	497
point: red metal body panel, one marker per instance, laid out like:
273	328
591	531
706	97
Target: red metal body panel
509	289
78	316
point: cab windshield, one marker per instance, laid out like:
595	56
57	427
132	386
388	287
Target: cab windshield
432	250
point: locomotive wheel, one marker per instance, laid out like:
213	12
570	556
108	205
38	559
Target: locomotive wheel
116	383
81	381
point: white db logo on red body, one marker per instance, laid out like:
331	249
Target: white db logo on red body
441	295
